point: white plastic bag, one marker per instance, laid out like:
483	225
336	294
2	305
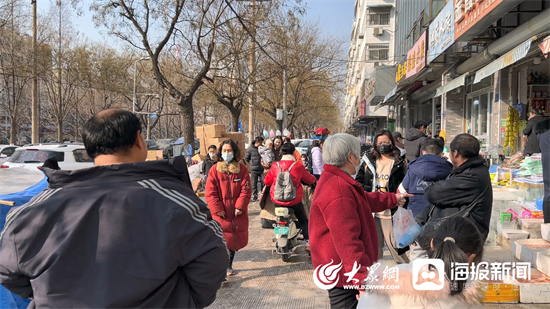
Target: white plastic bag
405	228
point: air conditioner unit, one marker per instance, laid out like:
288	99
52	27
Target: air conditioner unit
378	31
361	36
377	64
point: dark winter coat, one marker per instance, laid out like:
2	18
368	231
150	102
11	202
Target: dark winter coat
543	132
422	172
227	189
207	165
366	175
414	140
118	236
254	159
341	226
532	145
460	189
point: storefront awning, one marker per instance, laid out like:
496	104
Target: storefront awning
455	83
507	59
390	95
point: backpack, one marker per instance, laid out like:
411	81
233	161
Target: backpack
285	190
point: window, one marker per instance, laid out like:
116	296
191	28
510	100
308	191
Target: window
8	151
379	51
35	156
378	18
81	156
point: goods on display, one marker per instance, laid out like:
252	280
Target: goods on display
512	127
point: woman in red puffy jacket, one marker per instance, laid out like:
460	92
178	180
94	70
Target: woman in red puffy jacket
298	174
228	194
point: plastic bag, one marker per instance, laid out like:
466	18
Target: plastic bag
405	228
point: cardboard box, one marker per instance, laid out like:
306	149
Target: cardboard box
198	158
211	131
235	136
215	141
154	155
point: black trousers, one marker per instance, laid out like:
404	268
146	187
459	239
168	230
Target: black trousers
343	299
254	177
301	216
231	258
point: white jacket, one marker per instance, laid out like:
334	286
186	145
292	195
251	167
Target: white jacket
406	296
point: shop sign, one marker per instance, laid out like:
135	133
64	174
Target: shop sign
545	46
370	88
509	58
469	12
401	71
416	57
441	32
503	130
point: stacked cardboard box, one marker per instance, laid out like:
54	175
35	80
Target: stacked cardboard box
215	134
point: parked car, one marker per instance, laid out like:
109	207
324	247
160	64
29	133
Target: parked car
167	147
303	145
69	156
6	151
152	145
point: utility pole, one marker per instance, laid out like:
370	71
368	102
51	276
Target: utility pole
285	95
35	128
252	87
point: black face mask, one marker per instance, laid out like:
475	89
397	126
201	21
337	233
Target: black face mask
384	149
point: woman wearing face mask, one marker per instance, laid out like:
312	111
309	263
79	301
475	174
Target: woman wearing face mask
209	161
457	240
228	194
277	143
383	171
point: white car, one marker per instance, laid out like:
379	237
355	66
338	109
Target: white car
303	145
6	151
69	156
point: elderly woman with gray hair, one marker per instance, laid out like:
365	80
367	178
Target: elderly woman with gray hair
342	231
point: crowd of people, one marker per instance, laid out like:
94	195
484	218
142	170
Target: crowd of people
142	238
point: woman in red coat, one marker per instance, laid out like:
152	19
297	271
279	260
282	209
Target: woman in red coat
298	174
228	194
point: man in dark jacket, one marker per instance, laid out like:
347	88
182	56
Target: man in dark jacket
468	180
415	139
424	171
543	133
253	158
123	234
532	145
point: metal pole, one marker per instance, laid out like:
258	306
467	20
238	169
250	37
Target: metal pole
285	96
148	125
134	93
252	87
34	120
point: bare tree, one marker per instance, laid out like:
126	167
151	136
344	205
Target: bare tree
65	80
155	27
14	62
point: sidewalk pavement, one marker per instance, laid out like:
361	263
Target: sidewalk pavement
263	280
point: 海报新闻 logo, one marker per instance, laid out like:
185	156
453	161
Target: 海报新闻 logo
326	276
428	274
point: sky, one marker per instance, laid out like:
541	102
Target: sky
335	18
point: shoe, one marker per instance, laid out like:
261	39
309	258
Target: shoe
308	249
230	272
254	199
224	280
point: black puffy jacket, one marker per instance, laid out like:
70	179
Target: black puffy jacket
253	158
543	133
532	145
366	175
460	189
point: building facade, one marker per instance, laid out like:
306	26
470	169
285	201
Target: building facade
475	66
370	67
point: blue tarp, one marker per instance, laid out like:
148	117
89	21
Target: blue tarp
8	299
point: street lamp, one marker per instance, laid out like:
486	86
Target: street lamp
134	94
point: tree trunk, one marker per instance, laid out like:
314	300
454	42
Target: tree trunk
188	122
13	131
60	131
235	115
